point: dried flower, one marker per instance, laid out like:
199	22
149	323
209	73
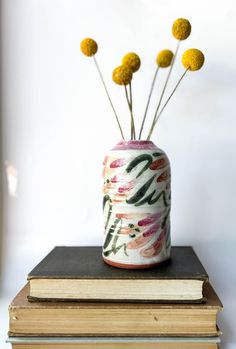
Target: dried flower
193	59
122	75
164	58
181	29
89	47
132	61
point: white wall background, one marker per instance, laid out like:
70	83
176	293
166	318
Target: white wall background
57	126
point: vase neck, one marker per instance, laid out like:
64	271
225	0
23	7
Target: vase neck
134	144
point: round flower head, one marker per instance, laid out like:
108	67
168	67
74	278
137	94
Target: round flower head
164	58
181	29
89	47
122	75
193	59
132	61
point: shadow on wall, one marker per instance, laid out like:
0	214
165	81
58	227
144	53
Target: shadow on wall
1	183
1	175
1	206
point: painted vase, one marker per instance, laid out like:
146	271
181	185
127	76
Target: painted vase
136	205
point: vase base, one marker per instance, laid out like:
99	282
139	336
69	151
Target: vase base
134	266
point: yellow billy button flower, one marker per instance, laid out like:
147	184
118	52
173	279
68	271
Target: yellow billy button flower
122	75
164	58
181	29
88	47
132	61
193	59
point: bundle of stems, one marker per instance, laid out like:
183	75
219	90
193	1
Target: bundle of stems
156	115
192	59
129	98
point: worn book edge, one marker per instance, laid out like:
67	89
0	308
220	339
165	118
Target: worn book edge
61	300
190	291
88	340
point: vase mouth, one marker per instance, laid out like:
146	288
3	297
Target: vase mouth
134	144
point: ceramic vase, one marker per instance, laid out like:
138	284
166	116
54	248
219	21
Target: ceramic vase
136	205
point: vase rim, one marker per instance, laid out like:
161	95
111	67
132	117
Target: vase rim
134	144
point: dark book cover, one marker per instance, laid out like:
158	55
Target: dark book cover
86	262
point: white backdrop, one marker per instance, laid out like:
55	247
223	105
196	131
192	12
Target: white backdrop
57	126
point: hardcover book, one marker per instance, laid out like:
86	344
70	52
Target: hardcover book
79	273
113	343
113	319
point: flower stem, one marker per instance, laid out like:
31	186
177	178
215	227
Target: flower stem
131	109
108	96
148	102
131	113
158	116
164	88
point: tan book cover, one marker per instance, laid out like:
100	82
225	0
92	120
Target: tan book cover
113	319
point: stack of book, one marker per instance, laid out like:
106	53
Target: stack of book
74	300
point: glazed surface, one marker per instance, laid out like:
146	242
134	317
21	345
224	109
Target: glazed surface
136	204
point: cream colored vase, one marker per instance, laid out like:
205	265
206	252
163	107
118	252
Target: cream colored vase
136	205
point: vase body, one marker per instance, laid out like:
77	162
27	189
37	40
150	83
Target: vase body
136	205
